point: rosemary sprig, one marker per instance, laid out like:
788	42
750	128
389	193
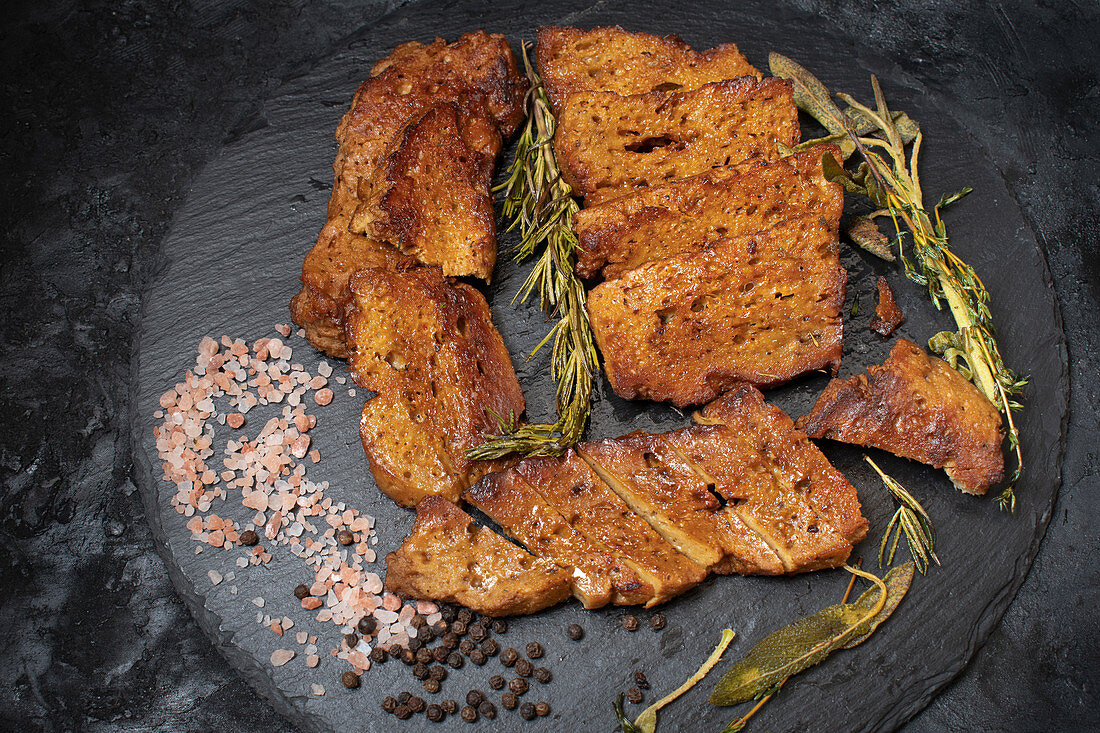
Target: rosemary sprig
889	177
910	518
540	204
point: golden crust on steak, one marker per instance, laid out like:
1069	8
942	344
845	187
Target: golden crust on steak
612	59
687	214
478	74
915	406
760	309
597	577
597	512
611	144
432	199
448	558
428	347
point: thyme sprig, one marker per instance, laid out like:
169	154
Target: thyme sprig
889	177
540	205
910	518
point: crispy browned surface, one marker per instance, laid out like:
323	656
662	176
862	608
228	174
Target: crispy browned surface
761	309
597	512
597	577
606	141
685	215
918	407
888	315
478	73
615	60
429	348
432	198
448	558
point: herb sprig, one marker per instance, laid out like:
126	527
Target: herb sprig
540	204
889	177
910	518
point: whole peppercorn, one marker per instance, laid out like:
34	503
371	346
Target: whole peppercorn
424	655
459	628
389	703
518	685
434	713
534	650
575	632
426	635
630	622
542	709
657	622
440	653
490	647
301	591
509	700
345	537
403	698
415	644
248	538
447	613
478	657
418	622
640	680
496	682
456	660
508	657
402	712
466	646
438	673
469	714
416	704
542	674
420	671
634	695
500	626
408	657
487	710
527	711
352	640
465	615
378	654
349	680
367	625
431	686
441	627
450	640
478	632
449	706
474	697
524	668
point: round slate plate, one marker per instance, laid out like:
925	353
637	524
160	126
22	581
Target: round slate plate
231	264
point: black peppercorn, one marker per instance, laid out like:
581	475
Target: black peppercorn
426	635
301	591
509	700
416	704
500	626
434	713
456	660
518	686
469	714
438	673
415	645
640	680
478	632
487	710
378	654
542	674
534	650
450	640
351	640
634	695
389	703
424	655
403	712
345	537
490	647
630	623
478	657
408	657
496	682
459	627
440	653
248	538
441	627
449	706
527	711
657	622
418	622
420	671
474	697
349	680
524	668
508	657
542	709
575	632
403	698
447	613
466	646
431	686
465	615
367	625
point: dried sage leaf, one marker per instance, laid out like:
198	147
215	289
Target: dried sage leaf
865	233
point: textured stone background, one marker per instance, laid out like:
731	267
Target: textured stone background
110	109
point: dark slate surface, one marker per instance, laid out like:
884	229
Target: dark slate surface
117	111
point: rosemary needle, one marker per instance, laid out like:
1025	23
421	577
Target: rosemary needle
910	518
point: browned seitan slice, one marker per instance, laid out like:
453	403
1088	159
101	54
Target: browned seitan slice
918	407
595	511
688	214
597	577
428	347
448	558
611	144
761	309
612	59
478	74
888	315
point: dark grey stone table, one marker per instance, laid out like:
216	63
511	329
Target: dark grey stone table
109	112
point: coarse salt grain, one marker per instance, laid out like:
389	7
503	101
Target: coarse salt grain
279	657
